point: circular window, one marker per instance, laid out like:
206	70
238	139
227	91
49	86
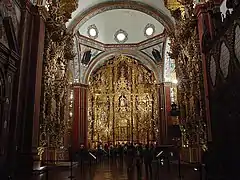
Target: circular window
149	30
121	36
93	31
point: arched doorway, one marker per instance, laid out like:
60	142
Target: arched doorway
122	103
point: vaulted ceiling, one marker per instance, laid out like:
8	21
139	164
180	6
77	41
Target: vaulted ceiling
131	18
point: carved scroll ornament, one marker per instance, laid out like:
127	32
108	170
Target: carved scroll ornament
122	103
185	51
56	75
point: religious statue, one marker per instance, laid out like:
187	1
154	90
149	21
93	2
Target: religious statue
140	78
122	103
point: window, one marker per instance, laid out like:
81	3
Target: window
149	30
93	31
121	36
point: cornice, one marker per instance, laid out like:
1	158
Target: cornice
111	5
134	46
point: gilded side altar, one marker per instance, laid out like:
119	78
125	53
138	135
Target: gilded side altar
122	103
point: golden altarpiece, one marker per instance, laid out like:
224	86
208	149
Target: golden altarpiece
122	103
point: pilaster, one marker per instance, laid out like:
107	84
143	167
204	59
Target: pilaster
29	78
164	110
80	122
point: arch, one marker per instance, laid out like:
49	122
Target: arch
102	58
84	16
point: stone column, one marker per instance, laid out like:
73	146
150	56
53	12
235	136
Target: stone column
80	120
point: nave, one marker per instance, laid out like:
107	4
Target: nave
115	170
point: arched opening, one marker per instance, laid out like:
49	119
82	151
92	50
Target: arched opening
122	103
101	59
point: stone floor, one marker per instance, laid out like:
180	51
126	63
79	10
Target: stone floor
108	170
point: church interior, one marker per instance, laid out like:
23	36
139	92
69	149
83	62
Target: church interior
104	73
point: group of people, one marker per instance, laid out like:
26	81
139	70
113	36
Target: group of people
134	155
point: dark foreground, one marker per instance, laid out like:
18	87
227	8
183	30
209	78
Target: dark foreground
117	170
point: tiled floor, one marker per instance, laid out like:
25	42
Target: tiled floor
108	170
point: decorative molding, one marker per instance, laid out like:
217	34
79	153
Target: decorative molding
111	5
105	47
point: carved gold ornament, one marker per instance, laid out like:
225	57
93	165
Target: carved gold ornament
186	52
122	102
56	101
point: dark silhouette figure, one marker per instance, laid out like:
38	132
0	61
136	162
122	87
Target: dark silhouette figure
148	157
99	153
130	159
120	151
82	156
139	160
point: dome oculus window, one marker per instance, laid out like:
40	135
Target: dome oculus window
93	31
149	30
121	36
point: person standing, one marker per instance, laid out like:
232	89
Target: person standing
139	160
130	160
82	154
148	157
